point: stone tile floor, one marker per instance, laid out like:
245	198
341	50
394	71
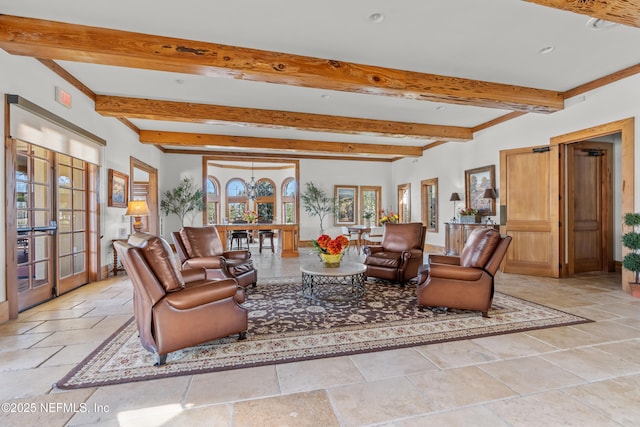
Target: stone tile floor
583	375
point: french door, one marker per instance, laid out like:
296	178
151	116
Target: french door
51	218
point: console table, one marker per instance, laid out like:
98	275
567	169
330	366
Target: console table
115	269
457	233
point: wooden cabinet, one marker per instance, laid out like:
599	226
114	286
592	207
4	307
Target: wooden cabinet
457	233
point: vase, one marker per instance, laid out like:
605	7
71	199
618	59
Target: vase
331	260
470	219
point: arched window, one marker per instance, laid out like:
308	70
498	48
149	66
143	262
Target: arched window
289	191
266	200
213	201
237	200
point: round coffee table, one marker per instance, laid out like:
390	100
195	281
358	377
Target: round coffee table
342	283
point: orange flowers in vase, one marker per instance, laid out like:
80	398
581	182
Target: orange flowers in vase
330	250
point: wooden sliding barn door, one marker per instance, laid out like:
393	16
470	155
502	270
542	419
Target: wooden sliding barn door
530	209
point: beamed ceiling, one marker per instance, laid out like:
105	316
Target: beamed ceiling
286	78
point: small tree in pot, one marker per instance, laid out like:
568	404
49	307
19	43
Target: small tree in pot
316	202
182	199
631	240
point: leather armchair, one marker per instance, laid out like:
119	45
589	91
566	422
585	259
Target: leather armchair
465	282
201	247
400	254
172	309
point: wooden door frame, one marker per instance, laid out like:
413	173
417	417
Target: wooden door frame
626	128
152	196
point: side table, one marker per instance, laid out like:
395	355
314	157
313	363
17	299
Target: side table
115	267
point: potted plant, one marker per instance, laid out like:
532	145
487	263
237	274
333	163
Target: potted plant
389	217
631	240
470	216
316	202
182	199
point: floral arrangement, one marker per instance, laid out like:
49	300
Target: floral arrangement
250	216
468	211
326	245
388	217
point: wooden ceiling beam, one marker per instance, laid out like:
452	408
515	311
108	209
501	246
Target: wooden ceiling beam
63	41
198	139
626	12
150	109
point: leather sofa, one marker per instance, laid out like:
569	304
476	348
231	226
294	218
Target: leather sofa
465	282
173	309
400	254
201	247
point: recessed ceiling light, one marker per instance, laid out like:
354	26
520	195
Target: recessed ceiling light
376	18
545	50
600	24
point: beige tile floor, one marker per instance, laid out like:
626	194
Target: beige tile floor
583	375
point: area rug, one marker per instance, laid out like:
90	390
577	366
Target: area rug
286	327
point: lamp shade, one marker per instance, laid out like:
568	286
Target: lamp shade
490	193
455	197
137	208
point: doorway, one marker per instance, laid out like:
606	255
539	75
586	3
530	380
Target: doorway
589	205
51	223
144	186
545	204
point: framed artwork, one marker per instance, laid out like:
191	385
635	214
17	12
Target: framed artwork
345	198
477	181
118	189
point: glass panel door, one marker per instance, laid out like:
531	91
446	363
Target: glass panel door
34	206
72	229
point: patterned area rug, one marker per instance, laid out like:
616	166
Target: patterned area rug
284	327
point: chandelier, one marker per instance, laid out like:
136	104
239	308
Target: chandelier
252	186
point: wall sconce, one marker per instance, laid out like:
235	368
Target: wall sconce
137	209
455	198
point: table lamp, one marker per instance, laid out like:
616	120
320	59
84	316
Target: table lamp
137	209
455	197
490	194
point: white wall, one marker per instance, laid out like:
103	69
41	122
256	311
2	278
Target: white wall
33	81
448	162
327	174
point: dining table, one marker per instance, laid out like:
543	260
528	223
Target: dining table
360	229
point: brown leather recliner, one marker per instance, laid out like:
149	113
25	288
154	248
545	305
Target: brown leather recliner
464	282
400	254
173	309
201	247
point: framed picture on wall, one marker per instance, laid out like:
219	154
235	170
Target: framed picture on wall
118	189
346	208
477	181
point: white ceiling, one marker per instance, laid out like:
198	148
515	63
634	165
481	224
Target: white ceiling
494	41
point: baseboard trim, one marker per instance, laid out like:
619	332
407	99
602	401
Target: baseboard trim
434	249
4	311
